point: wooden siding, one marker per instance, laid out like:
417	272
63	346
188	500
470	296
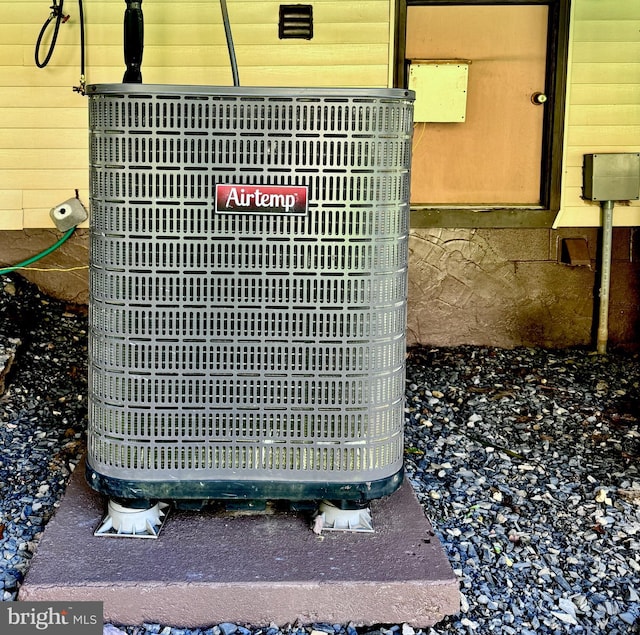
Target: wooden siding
43	123
603	100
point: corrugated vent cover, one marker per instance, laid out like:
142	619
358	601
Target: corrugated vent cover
296	21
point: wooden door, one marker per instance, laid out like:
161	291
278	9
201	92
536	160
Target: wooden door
494	157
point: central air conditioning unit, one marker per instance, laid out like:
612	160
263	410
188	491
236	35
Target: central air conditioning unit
248	288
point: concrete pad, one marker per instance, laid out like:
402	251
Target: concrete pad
211	567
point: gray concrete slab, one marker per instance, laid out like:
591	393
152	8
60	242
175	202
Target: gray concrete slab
206	567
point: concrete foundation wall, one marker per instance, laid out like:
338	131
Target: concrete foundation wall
62	274
509	287
501	287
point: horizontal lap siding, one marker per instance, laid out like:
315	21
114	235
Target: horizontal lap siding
43	123
603	108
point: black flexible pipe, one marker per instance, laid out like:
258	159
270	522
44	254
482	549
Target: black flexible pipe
133	41
56	12
82	61
81	87
232	51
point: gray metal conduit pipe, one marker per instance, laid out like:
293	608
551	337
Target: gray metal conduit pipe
609	177
605	276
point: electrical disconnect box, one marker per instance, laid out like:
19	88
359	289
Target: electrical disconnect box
612	176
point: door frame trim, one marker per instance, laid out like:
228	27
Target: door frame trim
553	126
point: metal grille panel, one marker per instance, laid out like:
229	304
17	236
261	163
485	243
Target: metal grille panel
265	346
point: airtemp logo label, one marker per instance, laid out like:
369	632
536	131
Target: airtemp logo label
288	200
51	618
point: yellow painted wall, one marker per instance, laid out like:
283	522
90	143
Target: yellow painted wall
43	123
603	100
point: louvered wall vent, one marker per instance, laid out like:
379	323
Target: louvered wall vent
296	21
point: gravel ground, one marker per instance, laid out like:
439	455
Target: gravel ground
525	461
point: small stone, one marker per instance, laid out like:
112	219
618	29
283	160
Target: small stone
567	606
10	288
630	495
629	617
465	621
580	602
